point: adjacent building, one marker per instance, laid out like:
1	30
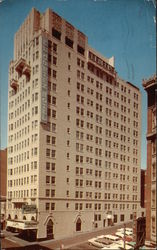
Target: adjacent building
3	186
143	173
150	85
74	133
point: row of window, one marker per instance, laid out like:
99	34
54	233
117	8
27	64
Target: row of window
108	154
98	206
22	193
23	181
107	185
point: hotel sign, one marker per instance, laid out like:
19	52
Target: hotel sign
29	209
44	79
101	63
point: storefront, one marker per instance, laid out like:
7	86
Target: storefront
27	229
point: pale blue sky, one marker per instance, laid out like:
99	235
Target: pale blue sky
121	28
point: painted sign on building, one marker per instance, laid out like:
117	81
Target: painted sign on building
44	79
29	209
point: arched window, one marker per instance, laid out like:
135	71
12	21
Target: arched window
24	217
32	218
9	217
50	229
78	225
16	217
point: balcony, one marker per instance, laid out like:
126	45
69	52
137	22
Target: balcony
14	84
151	135
20	65
18	200
26	70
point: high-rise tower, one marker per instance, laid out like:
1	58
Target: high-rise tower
150	86
74	133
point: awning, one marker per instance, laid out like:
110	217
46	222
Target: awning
24	225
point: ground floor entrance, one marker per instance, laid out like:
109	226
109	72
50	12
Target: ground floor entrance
50	234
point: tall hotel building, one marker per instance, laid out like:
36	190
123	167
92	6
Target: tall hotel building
74	133
150	86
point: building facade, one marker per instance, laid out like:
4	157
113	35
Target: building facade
74	130
3	186
143	173
150	85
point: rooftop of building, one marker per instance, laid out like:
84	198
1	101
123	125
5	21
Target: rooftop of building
150	82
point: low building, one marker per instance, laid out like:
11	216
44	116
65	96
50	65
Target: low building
3	186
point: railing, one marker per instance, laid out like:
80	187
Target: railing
14	84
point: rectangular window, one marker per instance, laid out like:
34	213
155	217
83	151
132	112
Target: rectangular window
80	50
48	152
47	166
53	153
47	206
122	217
47	179
56	34
52	206
53	127
53	140
52	180
54	73
54	60
48	139
69	42
53	100
54	47
54	87
115	218
49	58
52	193
47	192
54	113
53	166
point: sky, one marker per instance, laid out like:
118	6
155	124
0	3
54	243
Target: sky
125	29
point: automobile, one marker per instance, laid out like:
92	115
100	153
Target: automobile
104	241
111	237
119	234
2	235
94	242
113	246
91	240
128	233
129	229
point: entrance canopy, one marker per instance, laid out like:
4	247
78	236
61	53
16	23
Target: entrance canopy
24	225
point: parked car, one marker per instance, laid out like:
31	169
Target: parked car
95	243
111	247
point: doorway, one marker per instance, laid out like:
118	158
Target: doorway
50	230
78	225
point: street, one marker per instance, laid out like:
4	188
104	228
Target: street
78	241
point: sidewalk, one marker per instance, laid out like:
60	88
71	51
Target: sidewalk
65	243
80	238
